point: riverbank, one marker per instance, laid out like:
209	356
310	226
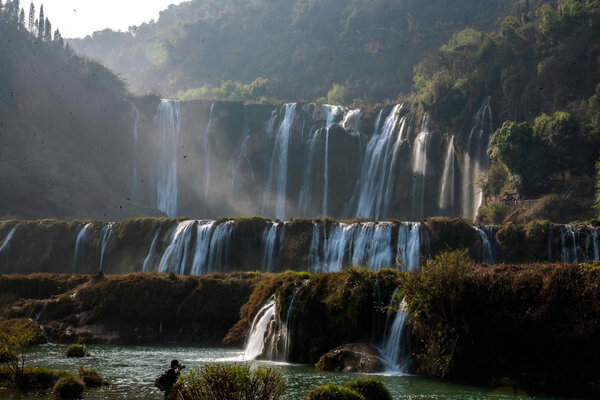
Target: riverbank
534	325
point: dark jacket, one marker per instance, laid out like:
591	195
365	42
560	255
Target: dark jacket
171	377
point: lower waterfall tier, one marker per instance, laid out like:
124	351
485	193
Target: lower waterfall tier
195	247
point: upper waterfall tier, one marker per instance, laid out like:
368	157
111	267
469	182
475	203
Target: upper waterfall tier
200	247
204	159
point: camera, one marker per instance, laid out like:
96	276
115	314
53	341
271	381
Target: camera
182	366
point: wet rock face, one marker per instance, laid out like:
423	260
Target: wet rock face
352	358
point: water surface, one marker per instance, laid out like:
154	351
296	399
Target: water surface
132	370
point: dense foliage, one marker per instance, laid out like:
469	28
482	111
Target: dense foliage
302	48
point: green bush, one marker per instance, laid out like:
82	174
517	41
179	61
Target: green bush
370	388
76	350
434	296
91	377
230	381
333	392
494	213
69	387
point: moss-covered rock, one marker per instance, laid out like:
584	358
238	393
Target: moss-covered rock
356	357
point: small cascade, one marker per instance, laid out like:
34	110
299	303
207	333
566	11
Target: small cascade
419	166
6	242
79	242
151	252
409	245
377	169
168	119
595	244
476	160
448	183
220	242
207	154
269	244
486	246
204	230
277	181
176	256
569	247
258	332
394	351
104	239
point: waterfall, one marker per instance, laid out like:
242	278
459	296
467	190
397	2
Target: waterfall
6	242
446	199
595	244
79	242
306	180
269	245
135	177
176	256
377	169
331	112
151	252
486	246
419	164
168	118
367	244
241	153
104	238
568	250
204	230
260	324
475	158
277	180
207	154
220	242
409	245
395	348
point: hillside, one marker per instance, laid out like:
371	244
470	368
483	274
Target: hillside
65	129
301	47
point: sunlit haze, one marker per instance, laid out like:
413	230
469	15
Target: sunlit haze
78	18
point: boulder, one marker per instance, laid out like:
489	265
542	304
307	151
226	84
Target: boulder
356	357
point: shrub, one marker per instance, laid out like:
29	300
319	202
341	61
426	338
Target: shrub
76	350
91	377
434	296
333	392
69	387
370	388
33	378
230	381
494	213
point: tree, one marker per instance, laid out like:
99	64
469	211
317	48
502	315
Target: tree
47	31
22	20
41	22
524	155
14	18
31	25
15	338
560	132
58	38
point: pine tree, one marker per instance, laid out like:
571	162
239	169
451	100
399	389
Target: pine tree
41	20
15	11
58	38
32	26
47	31
22	20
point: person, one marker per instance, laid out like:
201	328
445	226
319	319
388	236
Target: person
171	376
